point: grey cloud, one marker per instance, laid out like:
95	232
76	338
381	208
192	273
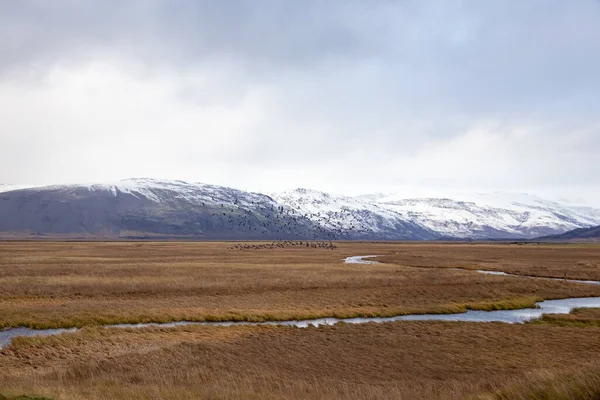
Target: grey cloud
482	56
260	33
390	80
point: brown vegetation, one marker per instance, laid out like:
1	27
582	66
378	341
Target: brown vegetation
577	317
570	384
46	284
576	261
75	284
406	360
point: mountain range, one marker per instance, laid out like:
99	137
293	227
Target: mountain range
134	208
592	233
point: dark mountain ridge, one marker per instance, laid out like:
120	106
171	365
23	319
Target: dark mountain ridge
159	208
580	233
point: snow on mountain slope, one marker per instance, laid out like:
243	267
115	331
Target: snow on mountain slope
164	190
169	191
481	215
195	208
7	187
148	206
330	211
351	217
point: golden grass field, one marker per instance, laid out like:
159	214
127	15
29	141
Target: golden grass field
77	284
61	284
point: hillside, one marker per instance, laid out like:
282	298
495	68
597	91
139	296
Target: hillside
137	207
150	207
581	233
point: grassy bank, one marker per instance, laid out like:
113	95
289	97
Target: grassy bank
581	317
80	322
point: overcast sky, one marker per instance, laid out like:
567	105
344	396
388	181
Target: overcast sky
344	96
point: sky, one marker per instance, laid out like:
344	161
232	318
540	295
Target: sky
345	96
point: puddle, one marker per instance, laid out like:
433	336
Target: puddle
8	334
360	260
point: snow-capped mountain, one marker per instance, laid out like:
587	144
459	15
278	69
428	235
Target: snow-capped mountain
138	207
4	187
141	207
491	215
351	216
494	215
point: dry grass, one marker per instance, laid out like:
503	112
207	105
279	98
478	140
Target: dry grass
65	284
573	384
60	284
21	397
408	360
577	261
578	317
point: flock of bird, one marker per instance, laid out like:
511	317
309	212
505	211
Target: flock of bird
284	224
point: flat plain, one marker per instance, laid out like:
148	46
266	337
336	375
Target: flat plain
85	284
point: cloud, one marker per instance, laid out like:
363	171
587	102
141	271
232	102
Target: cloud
338	95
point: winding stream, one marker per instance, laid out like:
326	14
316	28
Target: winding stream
481	271
362	260
563	306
